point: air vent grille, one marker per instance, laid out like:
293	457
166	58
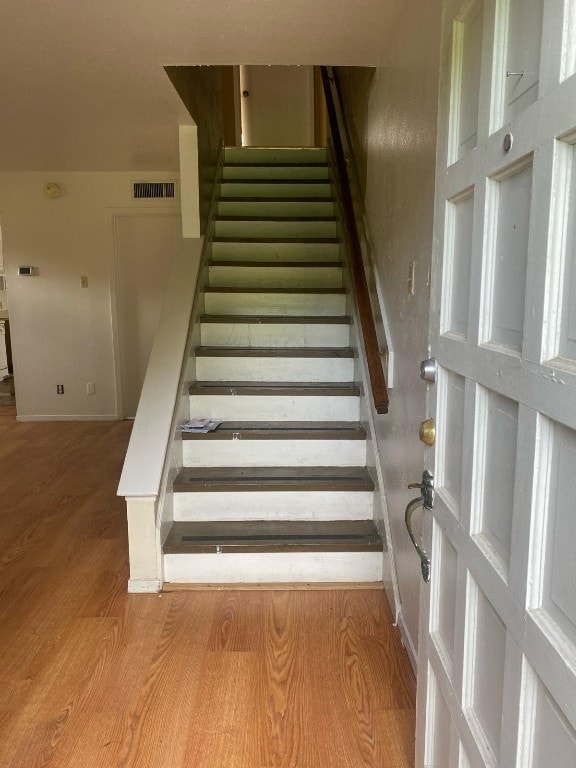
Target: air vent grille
153	190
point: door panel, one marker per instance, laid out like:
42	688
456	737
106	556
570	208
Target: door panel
508	214
522	54
497	665
277	106
459	220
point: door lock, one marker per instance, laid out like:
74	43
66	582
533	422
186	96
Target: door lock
429	370
425	500
427	432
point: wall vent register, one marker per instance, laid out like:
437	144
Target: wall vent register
153	190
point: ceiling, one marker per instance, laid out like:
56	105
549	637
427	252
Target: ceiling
83	85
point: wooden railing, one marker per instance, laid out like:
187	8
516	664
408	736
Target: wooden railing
374	354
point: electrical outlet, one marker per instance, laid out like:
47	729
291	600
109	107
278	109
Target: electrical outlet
90	388
59	389
84	281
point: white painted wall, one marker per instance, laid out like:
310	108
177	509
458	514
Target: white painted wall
102	101
279	108
145	249
62	333
399	134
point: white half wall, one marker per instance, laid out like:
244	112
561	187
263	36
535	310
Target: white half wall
62	333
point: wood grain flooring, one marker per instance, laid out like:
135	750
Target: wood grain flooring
92	677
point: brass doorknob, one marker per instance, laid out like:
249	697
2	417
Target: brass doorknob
428	432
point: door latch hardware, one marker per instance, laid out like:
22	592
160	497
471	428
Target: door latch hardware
429	370
427	432
425	500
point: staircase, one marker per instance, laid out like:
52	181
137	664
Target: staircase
280	491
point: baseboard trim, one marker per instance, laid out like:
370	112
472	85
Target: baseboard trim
143	586
275	586
70	417
407	643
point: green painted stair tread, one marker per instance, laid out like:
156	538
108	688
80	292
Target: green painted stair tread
302	352
282	389
268	479
260	265
278	319
273	536
283	430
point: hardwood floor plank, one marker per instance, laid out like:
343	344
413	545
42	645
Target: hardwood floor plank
92	677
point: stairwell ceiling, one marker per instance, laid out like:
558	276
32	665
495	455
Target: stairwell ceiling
83	85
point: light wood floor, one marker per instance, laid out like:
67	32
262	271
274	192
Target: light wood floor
91	677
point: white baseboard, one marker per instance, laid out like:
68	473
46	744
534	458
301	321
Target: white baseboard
141	586
408	643
70	417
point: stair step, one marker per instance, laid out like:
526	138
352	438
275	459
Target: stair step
295	171
271	155
274	536
272	363
266	389
276	352
275	189
258	250
271	552
277	444
305	208
281	430
306	401
264	479
277	303
274	228
284	275
267	330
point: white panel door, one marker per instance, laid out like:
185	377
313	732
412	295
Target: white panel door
277	106
497	665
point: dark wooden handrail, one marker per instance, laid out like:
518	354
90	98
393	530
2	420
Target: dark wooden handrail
352	240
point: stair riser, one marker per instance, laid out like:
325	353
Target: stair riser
274	505
272	155
262	171
262	189
294	567
274	335
276	277
275	408
276	251
294	229
304	209
272	369
274	453
275	304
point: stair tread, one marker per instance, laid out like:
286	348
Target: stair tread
279	219
337	389
315	352
278	319
273	536
273	264
321	199
250	164
227	479
285	239
280	182
283	430
250	289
